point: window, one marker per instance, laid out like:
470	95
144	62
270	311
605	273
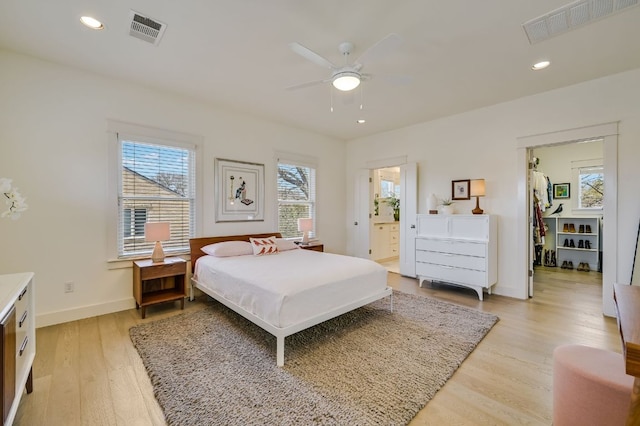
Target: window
590	187
296	195
156	184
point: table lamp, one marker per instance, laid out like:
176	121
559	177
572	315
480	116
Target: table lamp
477	190
305	225
157	231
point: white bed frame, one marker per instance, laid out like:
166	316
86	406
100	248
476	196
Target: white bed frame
278	332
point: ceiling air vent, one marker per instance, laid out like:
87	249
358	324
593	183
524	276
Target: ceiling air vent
571	16
145	28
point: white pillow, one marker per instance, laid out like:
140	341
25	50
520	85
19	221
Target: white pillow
262	246
228	248
284	245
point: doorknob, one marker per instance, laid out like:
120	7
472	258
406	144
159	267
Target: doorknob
355	223
413	227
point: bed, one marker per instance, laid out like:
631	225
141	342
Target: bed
286	292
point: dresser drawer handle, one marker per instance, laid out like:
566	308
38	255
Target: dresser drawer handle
23	319
24	345
22	293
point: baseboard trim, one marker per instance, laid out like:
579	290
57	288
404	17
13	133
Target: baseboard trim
59	317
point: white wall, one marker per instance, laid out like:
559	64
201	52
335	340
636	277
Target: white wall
482	144
53	143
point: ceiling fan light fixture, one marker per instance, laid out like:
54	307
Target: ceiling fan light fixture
346	81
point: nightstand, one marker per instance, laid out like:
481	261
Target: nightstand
159	282
316	246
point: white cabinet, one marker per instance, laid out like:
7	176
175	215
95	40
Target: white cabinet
458	249
17	320
386	241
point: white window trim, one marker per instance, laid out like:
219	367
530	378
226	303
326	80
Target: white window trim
143	134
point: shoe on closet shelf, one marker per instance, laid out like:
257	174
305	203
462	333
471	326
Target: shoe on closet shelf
585	267
581	244
565	228
588	229
569	265
553	259
572	244
581	229
579	268
587	244
564	265
572	227
566	242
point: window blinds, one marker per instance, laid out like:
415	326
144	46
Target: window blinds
296	195
157	184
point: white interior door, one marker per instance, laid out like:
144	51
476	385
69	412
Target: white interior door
408	215
361	220
531	218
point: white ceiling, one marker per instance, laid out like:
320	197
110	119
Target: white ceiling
460	54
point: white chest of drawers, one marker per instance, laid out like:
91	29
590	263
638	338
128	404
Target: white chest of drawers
458	249
18	343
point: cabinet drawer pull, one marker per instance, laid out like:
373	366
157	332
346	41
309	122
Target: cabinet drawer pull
24	345
23	319
22	293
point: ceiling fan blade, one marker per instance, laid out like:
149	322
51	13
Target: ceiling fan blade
307	84
311	55
380	49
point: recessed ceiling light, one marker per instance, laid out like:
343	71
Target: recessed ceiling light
361	121
540	65
92	23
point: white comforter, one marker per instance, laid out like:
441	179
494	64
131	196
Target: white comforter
292	286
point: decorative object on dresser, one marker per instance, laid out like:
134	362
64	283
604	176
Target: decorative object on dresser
477	190
17	204
432	204
460	189
17	322
155	282
230	378
305	225
158	232
459	249
447	206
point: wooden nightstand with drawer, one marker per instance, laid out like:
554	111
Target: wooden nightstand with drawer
315	246
159	282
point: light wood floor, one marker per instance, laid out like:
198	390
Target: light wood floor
88	373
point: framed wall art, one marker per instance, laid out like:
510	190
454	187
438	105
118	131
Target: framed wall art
561	190
460	189
239	190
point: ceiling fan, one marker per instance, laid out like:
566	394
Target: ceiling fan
348	76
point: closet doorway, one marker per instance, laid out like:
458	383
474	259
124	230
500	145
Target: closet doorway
609	133
567	190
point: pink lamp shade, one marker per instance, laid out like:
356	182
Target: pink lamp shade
157	231
305	225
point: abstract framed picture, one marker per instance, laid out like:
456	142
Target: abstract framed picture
460	189
561	190
239	190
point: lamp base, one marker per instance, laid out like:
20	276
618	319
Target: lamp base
158	253
477	210
305	237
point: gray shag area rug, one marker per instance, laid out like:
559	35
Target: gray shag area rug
367	367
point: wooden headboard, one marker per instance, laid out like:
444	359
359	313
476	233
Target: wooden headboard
197	243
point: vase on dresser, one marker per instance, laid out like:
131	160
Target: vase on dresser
448	209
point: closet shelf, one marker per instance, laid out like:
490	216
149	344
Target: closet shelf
575	248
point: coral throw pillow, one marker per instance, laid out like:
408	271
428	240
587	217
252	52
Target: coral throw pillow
262	246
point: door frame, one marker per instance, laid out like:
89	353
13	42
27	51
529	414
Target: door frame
608	132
